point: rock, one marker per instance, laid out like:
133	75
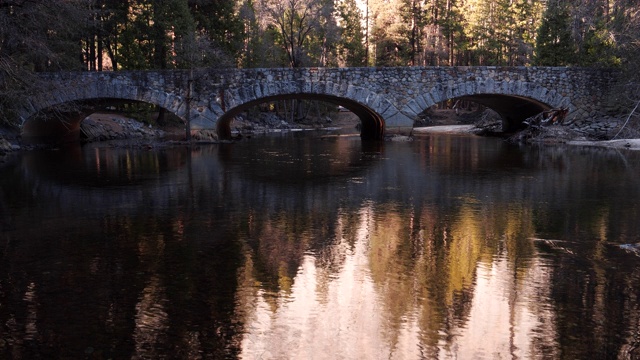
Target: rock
5	146
100	127
204	135
399	138
631	248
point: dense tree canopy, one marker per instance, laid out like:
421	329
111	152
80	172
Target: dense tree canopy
37	36
554	44
146	34
156	34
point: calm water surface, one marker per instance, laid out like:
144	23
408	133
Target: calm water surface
300	247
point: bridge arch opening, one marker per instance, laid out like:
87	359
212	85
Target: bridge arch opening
512	109
61	123
372	125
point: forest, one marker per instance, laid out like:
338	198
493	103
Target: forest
111	35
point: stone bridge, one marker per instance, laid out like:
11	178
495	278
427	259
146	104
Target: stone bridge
387	100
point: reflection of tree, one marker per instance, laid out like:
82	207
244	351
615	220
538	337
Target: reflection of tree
232	259
279	241
433	268
104	166
425	263
124	285
585	284
190	284
278	250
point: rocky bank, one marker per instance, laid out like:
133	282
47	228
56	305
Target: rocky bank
107	126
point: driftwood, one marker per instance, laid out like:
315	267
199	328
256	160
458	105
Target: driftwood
627	121
546	118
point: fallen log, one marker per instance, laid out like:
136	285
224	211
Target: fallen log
548	117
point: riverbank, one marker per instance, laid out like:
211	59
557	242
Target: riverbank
108	127
628	144
114	129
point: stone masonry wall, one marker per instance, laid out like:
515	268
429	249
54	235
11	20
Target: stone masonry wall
397	95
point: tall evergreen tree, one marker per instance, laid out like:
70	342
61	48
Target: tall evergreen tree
144	34
527	17
219	21
413	19
599	45
554	43
388	33
351	48
625	25
37	36
259	47
453	31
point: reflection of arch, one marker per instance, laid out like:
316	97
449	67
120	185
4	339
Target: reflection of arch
514	101
332	157
102	166
372	122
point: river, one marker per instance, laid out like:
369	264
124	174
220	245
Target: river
301	246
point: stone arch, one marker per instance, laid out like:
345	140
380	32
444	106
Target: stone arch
375	112
389	99
71	107
372	123
514	101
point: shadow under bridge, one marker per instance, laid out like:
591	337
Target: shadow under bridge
512	109
372	123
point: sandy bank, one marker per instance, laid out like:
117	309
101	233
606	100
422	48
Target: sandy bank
444	129
629	144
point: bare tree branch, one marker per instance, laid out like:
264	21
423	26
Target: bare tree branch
627	121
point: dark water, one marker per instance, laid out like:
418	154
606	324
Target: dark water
299	247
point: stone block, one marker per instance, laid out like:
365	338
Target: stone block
382	106
257	91
470	87
350	93
429	100
421	102
398	124
412	108
215	108
360	94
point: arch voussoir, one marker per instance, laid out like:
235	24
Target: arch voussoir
412	108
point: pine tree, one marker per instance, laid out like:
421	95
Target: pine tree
452	28
351	48
598	46
219	21
413	20
37	36
554	43
388	33
527	16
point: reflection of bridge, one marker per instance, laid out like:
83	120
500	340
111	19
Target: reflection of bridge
387	100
